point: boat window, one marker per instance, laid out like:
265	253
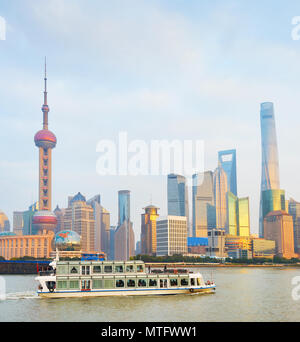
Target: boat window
119	283
85	284
140	268
198	281
130	283
74	284
62	284
173	282
62	269
97	269
129	268
97	283
74	269
163	282
119	268
152	282
192	281
108	269
142	282
108	283
85	270
184	282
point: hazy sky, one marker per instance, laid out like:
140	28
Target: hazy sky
168	69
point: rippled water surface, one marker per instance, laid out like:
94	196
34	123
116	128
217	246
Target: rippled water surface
243	294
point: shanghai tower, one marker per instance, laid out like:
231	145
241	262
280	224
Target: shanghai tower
270	165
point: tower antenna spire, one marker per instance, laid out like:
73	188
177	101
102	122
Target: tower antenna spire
45	79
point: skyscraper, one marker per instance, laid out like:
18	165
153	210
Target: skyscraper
79	216
204	212
269	153
18	222
238	218
4	222
294	210
178	203
271	200
171	235
227	160
148	230
220	190
124	241
124	205
279	227
45	140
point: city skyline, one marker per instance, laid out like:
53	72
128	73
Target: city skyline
77	101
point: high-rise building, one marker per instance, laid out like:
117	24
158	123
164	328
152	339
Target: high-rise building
216	243
95	204
4	222
204	212
111	254
123	206
271	200
105	230
278	226
294	210
232	219
45	140
243	216
269	153
238	218
171	232
220	190
60	215
79	216
227	160
178	202
148	230
28	228
18	222
124	241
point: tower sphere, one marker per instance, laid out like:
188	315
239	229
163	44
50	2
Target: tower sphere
45	139
44	219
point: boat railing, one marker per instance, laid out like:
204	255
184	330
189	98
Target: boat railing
170	270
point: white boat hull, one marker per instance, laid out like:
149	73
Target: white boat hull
127	292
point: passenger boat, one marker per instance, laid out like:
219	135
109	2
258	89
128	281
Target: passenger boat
116	278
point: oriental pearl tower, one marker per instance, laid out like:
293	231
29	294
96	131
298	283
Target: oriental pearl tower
44	220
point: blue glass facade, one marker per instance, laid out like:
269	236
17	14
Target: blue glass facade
124	206
178	204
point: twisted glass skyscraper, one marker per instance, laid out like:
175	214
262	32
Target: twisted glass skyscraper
270	165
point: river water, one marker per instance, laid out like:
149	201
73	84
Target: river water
243	294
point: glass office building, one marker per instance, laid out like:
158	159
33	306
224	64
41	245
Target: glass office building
227	160
220	190
243	216
204	212
178	203
272	200
232	221
124	206
269	153
238	218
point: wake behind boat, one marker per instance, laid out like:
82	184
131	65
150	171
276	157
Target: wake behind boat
97	278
